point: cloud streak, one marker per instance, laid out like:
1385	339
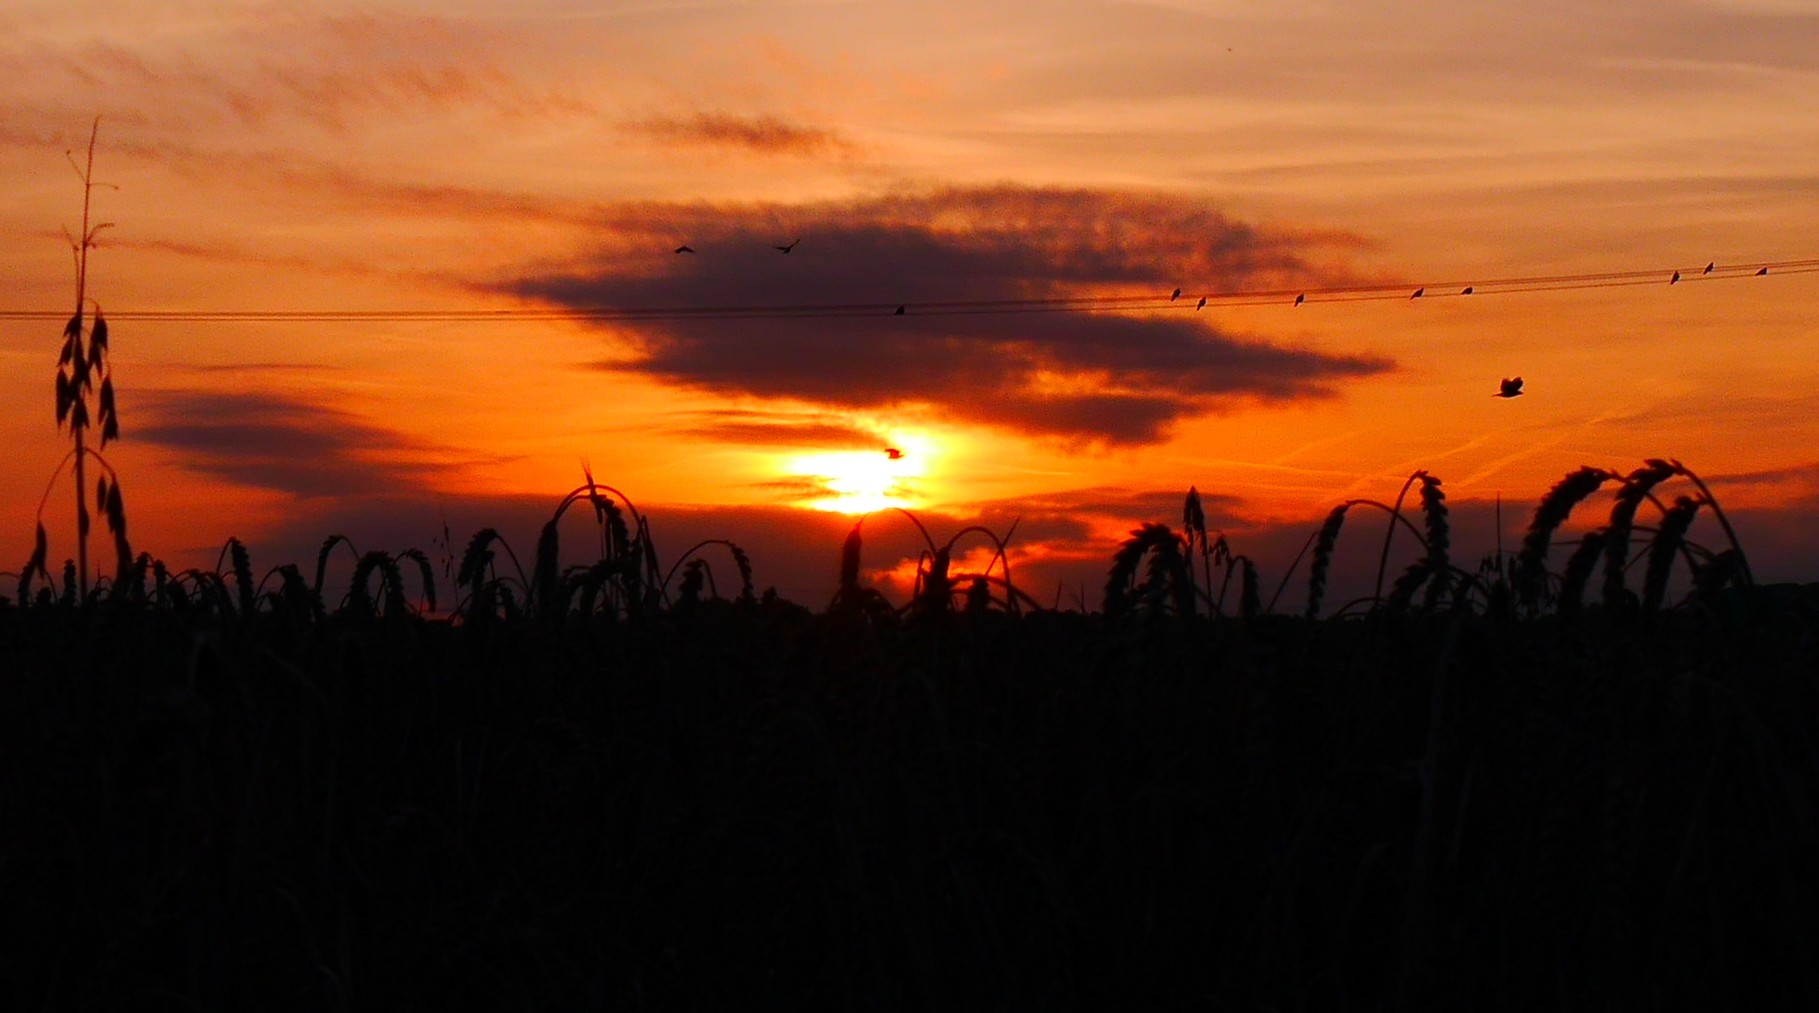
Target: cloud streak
280	442
336	73
765	135
776	429
1099	377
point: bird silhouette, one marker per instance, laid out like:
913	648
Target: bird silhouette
899	311
1177	295
1468	290
1418	293
1675	279
786	249
685	249
893	453
1511	387
1300	299
1761	272
1708	267
1202	304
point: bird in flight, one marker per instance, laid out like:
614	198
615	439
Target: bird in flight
1511	387
685	249
786	249
893	453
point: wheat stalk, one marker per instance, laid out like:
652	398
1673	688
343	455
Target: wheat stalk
1670	537
1324	542
1553	510
1623	517
1742	562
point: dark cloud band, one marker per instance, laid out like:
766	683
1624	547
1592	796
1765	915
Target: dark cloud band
1099	377
274	441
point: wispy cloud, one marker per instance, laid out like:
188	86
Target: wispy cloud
1805	474
1098	377
766	135
775	429
333	72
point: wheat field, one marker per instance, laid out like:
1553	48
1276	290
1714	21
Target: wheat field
1581	775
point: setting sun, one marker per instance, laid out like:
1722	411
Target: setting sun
863	481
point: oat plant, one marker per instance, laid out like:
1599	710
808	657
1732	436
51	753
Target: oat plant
84	373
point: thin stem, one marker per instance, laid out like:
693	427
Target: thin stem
1383	561
82	520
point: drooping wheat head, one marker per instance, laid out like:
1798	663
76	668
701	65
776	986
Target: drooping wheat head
1636	487
1531	561
1670	538
1324	542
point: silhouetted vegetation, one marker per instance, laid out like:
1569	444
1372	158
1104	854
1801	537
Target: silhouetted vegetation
617	785
84	371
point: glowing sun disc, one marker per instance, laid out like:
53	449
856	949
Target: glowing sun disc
862	482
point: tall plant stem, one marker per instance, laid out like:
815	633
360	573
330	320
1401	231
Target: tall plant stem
86	240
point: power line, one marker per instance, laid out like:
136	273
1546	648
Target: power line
1187	300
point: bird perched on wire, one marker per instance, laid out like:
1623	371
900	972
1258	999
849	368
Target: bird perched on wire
1510	387
1202	304
1675	280
1301	299
1177	295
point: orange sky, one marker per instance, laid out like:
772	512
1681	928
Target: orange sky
551	153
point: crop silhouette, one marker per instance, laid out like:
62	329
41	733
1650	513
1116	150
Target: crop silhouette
610	779
1189	573
84	372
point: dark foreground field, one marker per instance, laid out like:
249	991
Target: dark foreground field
746	805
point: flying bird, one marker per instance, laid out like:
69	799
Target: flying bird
1468	290
1511	387
1708	267
685	249
1674	279
786	249
1418	293
1202	304
1300	299
1177	295
893	453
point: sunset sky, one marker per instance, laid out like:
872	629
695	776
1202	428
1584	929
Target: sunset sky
471	155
